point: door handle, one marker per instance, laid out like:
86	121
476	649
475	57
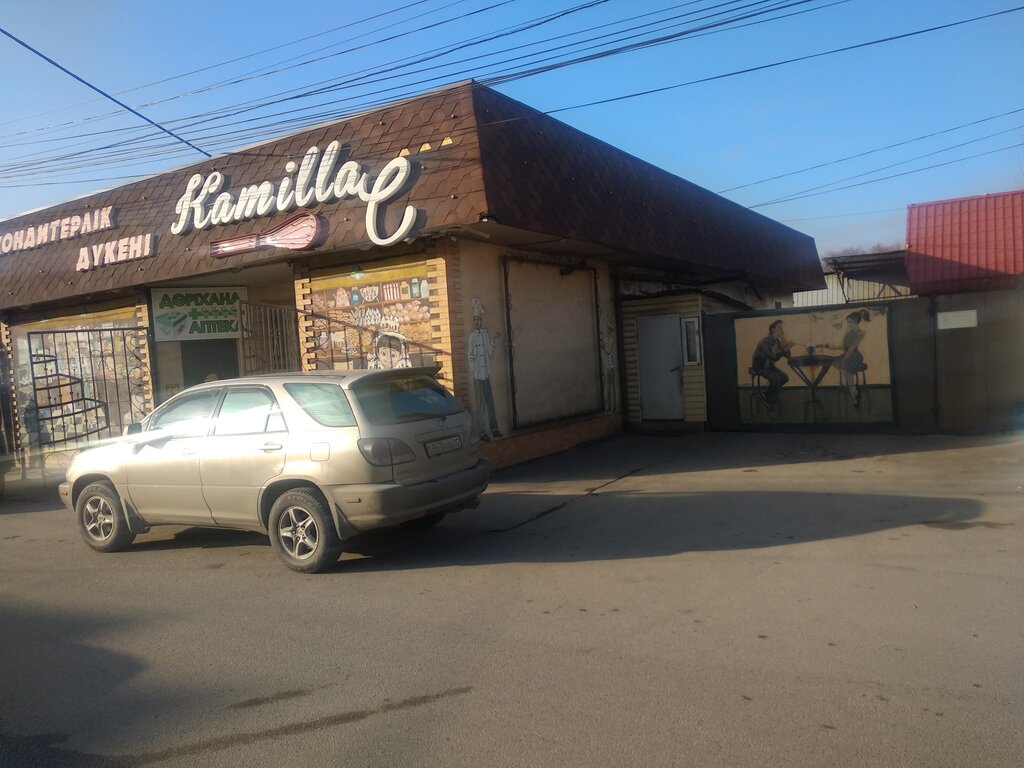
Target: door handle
268	447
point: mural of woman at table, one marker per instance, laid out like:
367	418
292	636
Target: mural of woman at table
851	361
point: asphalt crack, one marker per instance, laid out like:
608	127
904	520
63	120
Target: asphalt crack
562	505
292	729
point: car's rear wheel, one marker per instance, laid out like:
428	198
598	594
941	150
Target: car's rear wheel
101	518
302	532
422	523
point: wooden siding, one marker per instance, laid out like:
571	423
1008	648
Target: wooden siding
694	392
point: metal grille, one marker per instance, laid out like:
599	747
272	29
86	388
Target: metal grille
339	346
270	339
273	338
86	385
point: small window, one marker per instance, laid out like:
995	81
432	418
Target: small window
248	411
325	403
691	341
396	399
188	416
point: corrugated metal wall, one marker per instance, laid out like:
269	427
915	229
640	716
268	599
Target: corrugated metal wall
981	369
912	359
694	394
967	244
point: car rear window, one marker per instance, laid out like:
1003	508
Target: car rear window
325	403
397	399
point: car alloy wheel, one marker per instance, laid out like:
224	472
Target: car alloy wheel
302	531
298	533
101	520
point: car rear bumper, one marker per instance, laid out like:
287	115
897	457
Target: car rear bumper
364	507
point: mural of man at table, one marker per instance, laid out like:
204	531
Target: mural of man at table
830	366
768	352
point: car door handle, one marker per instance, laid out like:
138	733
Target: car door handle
268	447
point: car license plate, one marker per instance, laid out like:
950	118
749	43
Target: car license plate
444	445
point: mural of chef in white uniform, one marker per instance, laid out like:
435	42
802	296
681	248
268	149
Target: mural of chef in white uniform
479	352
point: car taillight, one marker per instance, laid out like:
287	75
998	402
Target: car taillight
385	451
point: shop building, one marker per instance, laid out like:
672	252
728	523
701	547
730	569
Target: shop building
558	282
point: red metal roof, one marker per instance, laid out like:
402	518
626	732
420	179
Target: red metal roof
966	244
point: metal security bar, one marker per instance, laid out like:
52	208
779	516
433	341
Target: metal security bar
270	339
273	338
86	385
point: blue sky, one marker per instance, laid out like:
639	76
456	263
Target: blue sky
719	134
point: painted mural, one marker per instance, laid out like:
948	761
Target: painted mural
479	351
820	366
380	318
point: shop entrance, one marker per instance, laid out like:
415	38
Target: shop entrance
661	363
208	358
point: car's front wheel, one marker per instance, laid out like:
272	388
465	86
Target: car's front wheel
302	532
101	519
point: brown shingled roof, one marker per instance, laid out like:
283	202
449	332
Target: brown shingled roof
487	155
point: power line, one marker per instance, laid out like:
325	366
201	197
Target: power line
887	178
897	164
233	60
762	67
871	151
103	93
262	104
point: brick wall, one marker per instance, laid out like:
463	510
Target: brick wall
304	304
526	446
443	280
146	402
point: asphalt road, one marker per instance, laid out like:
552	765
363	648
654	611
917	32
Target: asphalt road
708	600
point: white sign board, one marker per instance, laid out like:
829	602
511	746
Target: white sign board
967	318
191	314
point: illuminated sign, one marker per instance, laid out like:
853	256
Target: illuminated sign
59	229
317	179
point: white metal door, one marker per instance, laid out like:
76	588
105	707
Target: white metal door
660	351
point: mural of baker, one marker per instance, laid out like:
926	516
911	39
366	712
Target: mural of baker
479	352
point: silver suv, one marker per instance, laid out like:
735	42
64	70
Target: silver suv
310	458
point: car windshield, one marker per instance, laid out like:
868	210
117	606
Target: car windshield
325	403
396	399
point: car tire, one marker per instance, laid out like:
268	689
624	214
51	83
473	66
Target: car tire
101	520
302	532
422	523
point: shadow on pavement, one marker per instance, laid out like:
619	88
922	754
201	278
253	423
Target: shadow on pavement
52	664
713	451
612	526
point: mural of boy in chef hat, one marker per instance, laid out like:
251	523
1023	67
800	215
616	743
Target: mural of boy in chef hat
479	351
390	347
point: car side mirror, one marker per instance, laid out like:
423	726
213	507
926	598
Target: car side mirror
133	429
